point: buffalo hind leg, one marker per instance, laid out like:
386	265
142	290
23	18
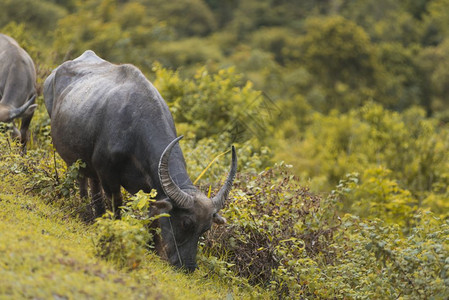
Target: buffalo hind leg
82	181
25	124
86	212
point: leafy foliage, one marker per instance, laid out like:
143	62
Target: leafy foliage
340	53
216	103
274	223
294	243
377	195
42	14
414	266
121	241
369	138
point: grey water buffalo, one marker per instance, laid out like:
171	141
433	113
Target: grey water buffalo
113	119
17	86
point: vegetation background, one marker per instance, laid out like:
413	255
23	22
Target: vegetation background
339	110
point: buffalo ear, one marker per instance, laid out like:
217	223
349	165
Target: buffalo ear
160	207
219	220
30	110
163	205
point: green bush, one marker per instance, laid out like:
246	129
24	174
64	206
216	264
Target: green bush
409	144
281	42
375	194
209	160
42	172
375	260
123	242
40	16
126	241
274	222
294	243
187	52
341	55
212	104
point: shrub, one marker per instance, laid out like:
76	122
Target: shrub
375	194
412	146
213	104
187	52
120	241
376	260
293	243
212	154
276	226
42	172
126	241
42	14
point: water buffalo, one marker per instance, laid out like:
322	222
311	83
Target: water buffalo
17	86
113	119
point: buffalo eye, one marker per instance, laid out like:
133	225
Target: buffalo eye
187	224
217	219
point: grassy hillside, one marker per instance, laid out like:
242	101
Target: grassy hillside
46	255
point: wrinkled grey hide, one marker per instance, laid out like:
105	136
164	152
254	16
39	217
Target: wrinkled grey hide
113	119
17	86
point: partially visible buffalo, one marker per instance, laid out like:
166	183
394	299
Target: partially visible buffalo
17	86
113	119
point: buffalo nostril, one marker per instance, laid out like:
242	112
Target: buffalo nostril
187	268
191	268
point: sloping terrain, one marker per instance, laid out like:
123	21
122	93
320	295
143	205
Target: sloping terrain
46	256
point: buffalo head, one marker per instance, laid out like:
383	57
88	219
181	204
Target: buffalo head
191	214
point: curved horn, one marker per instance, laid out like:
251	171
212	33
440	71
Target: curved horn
17	112
179	197
222	195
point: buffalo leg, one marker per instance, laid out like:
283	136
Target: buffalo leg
15	133
87	213
97	197
117	201
82	181
112	190
109	179
24	132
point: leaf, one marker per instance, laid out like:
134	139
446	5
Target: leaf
142	202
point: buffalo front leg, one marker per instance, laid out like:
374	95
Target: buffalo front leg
109	179
96	193
117	202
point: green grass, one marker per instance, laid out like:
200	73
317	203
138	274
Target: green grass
45	255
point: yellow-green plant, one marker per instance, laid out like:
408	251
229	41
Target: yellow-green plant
126	241
123	242
375	194
299	245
